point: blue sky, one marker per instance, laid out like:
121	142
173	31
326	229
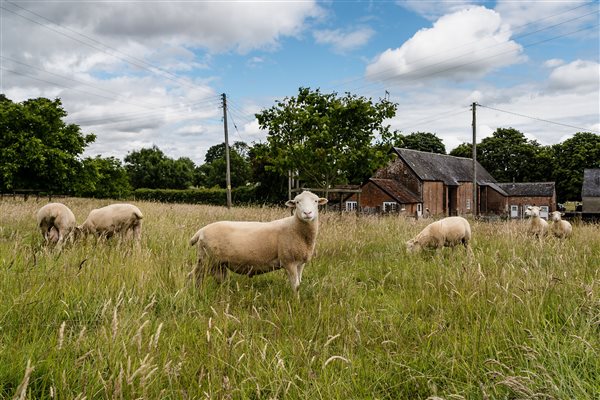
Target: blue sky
143	73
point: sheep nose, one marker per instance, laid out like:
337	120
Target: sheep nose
308	213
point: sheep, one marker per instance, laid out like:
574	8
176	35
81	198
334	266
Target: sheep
560	227
537	226
112	219
56	222
252	248
448	232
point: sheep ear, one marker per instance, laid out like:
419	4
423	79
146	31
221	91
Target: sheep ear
322	200
290	203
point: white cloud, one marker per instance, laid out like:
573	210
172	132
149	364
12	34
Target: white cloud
553	63
577	76
527	16
344	41
465	44
432	10
446	113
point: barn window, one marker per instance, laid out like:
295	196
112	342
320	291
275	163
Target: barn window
468	204
389	206
351	205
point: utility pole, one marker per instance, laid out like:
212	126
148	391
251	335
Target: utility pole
475	204
228	169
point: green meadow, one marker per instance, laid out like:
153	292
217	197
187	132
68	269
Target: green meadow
520	319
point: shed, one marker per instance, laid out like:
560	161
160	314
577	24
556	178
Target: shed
520	195
590	191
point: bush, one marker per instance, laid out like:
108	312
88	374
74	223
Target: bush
217	196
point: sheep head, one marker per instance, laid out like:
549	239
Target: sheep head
532	211
413	246
306	205
556	216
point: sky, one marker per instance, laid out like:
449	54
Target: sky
143	73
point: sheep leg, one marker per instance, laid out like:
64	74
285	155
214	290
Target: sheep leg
219	272
137	231
299	270
292	272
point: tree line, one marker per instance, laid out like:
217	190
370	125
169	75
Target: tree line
321	139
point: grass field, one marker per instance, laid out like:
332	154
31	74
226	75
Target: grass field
519	320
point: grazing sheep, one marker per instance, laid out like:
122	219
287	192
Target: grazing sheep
560	227
115	218
447	232
537	226
253	248
56	222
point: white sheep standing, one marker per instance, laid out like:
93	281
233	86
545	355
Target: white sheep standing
560	227
119	218
447	232
252	248
537	226
56	222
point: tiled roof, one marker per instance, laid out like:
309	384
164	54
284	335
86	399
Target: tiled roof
396	190
545	189
591	183
440	167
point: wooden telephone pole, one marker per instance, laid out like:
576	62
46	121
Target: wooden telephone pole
228	168
475	203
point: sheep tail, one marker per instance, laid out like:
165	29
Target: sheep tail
195	238
138	214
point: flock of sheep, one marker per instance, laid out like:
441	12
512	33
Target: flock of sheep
252	248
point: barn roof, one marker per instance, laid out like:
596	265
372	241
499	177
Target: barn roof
540	189
396	190
591	183
497	188
440	167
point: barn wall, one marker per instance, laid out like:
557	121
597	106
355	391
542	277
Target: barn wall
495	202
400	172
532	201
433	197
465	192
590	204
372	198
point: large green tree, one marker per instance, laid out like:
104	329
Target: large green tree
38	150
508	156
424	141
326	139
571	157
152	169
102	178
213	172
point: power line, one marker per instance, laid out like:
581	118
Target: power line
74	80
140	64
477	60
385	71
540	119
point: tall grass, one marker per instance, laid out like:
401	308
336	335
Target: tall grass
518	319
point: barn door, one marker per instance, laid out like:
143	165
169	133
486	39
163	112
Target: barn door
452	200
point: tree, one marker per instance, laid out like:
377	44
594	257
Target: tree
38	150
424	141
571	157
102	178
326	139
212	172
152	169
463	150
271	186
509	157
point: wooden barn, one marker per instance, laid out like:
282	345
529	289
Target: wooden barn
590	191
418	183
522	195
